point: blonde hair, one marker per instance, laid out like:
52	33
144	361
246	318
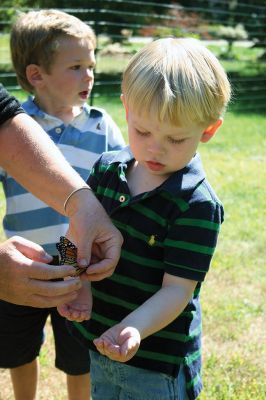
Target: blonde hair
34	39
177	81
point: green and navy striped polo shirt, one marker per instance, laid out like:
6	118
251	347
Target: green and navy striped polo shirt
173	229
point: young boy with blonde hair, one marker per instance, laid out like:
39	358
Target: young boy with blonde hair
53	56
145	330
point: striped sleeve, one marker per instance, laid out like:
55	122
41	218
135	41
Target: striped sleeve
114	136
191	240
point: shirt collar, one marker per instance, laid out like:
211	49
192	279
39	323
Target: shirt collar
179	182
34	111
187	179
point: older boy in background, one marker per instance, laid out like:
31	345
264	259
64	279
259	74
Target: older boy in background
53	56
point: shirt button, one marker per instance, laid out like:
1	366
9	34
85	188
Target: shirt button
122	199
58	130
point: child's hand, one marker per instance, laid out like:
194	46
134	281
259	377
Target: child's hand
119	343
75	312
79	309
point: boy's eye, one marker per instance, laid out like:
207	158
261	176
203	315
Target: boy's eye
176	141
78	67
142	133
75	67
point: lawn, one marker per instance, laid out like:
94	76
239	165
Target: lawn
233	296
234	292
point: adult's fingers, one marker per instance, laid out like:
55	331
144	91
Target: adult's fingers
101	270
108	255
31	250
54	289
51	294
45	272
41	301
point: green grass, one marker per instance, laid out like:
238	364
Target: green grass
5	60
233	296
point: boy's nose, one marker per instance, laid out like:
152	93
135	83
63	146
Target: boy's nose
155	148
89	74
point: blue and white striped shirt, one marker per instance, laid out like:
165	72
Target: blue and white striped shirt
90	134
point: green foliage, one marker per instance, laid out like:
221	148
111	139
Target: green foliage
8	11
184	17
231	34
230	13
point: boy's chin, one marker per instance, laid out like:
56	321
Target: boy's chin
79	103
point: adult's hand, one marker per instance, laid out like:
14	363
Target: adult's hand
97	239
25	275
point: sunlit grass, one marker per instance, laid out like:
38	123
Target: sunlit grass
233	296
4	49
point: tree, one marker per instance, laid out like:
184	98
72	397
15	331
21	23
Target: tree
231	34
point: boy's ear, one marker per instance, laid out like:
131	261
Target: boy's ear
34	75
210	131
122	97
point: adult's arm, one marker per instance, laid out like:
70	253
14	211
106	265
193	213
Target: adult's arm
28	154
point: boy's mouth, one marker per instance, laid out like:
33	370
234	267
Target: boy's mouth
154	166
84	94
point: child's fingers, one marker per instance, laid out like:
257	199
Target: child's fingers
106	348
63	310
98	344
78	316
129	349
84	316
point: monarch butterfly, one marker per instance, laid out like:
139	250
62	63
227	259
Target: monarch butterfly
68	254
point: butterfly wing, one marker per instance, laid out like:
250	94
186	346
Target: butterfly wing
68	254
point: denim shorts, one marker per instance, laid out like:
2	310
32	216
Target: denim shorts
111	380
22	335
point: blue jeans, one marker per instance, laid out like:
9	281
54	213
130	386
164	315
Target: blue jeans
111	380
